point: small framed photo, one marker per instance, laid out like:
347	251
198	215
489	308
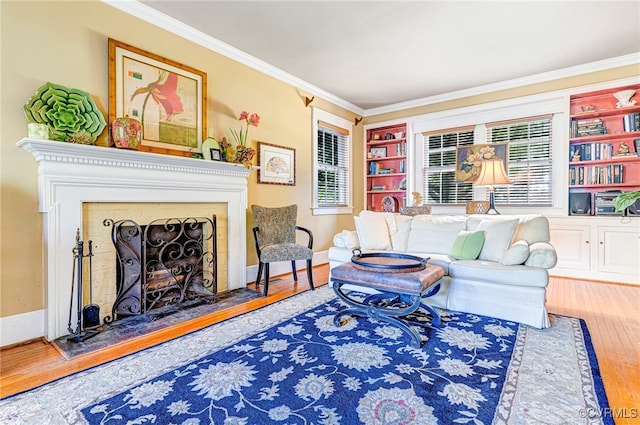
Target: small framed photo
379	152
636	145
215	154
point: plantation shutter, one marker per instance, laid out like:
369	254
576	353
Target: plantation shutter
439	164
333	165
530	162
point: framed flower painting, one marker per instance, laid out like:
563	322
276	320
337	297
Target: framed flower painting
469	159
168	98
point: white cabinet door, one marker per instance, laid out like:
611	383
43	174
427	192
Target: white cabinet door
572	244
619	250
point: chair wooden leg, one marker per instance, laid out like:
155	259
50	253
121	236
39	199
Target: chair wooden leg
260	264
266	280
295	272
310	274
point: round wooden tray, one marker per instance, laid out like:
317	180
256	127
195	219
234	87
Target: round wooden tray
388	262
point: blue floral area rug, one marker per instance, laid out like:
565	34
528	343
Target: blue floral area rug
288	364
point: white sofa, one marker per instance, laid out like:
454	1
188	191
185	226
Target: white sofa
507	281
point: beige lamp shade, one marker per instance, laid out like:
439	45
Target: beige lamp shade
492	173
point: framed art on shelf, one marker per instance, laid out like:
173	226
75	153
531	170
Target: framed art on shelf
167	97
469	160
379	152
277	164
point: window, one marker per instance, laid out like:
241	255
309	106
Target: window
439	162
530	162
332	181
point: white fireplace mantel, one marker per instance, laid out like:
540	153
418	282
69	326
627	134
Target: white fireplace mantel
72	174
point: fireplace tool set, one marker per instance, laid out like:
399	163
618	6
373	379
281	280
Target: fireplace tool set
89	315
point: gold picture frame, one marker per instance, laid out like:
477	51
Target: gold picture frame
167	97
277	164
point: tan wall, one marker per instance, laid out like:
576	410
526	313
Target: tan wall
66	43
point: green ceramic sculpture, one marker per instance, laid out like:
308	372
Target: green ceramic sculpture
66	111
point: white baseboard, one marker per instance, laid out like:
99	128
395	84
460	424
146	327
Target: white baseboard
284	267
21	327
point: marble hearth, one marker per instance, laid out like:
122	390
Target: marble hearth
71	176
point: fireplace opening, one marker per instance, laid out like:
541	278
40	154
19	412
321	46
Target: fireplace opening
170	261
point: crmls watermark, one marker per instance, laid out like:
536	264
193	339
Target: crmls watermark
610	412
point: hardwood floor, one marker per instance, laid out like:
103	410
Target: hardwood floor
610	311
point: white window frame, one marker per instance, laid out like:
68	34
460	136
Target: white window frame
317	116
478	115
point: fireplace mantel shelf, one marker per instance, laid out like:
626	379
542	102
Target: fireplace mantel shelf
47	150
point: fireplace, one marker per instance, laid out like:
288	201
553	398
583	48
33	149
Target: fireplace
72	176
166	262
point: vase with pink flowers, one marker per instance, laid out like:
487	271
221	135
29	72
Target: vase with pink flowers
243	154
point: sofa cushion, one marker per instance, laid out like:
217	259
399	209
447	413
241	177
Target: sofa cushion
347	239
389	218
541	254
517	253
492	272
532	228
468	245
399	239
498	234
434	234
441	260
373	232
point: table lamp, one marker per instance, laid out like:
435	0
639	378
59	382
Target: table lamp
492	173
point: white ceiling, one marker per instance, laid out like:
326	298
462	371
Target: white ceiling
374	54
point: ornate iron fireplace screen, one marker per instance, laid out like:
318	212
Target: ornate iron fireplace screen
167	261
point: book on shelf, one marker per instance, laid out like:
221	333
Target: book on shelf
378	187
596	174
374	167
591	151
583	128
631	122
385	171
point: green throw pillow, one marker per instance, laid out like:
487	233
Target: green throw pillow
467	245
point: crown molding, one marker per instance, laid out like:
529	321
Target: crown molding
602	65
154	17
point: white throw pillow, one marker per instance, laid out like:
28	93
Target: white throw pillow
498	234
434	234
373	232
351	240
399	239
517	253
389	217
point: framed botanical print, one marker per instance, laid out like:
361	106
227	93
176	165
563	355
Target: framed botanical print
167	97
469	159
